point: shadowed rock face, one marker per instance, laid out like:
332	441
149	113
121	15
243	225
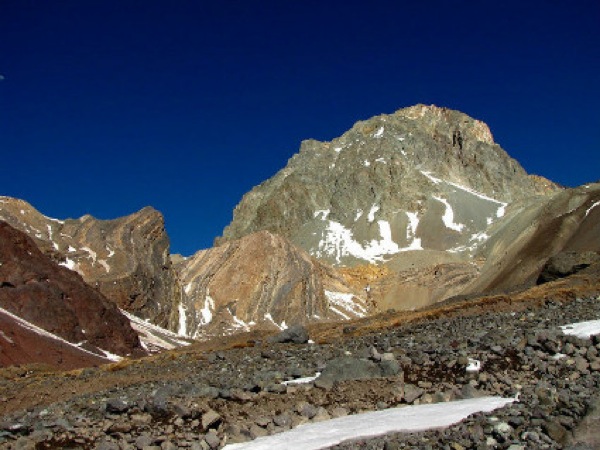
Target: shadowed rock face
263	281
423	177
534	231
58	300
127	259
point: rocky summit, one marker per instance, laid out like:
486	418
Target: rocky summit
422	178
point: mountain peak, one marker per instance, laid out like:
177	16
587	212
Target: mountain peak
392	183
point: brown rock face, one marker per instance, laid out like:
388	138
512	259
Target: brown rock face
261	280
127	259
58	300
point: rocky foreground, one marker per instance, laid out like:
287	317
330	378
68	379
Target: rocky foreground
198	399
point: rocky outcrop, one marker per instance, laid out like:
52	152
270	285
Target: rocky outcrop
58	300
261	280
565	264
423	177
127	259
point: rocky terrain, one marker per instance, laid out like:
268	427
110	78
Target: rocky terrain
242	387
127	258
401	212
261	281
38	291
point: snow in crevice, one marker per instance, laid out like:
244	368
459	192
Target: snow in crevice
359	213
324	213
372	212
237	322
346	302
152	336
281	326
206	312
188	288
448	216
92	254
381	160
110	251
104	264
71	265
182	330
379	133
591	207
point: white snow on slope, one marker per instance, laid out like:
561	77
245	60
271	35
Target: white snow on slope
41	332
346	302
324	434
448	216
71	265
339	242
582	330
502	205
379	133
152	336
591	207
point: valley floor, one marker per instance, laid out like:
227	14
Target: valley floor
214	394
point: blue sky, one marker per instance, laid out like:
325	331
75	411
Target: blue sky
109	106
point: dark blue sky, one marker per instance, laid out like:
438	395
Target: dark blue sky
108	106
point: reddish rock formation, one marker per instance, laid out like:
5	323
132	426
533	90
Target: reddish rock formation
57	299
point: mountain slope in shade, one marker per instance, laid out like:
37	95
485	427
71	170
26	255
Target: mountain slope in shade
127	258
56	299
261	280
23	343
421	178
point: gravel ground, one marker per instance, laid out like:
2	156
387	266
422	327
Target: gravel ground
206	400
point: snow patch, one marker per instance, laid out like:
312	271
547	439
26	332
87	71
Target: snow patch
366	163
337	149
302	380
269	317
359	213
381	160
182	331
346	302
379	133
152	336
188	288
324	213
474	365
582	330
207	311
92	254
371	216
408	419
448	216
104	264
71	265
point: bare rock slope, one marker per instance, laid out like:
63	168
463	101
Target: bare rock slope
260	281
127	258
421	178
